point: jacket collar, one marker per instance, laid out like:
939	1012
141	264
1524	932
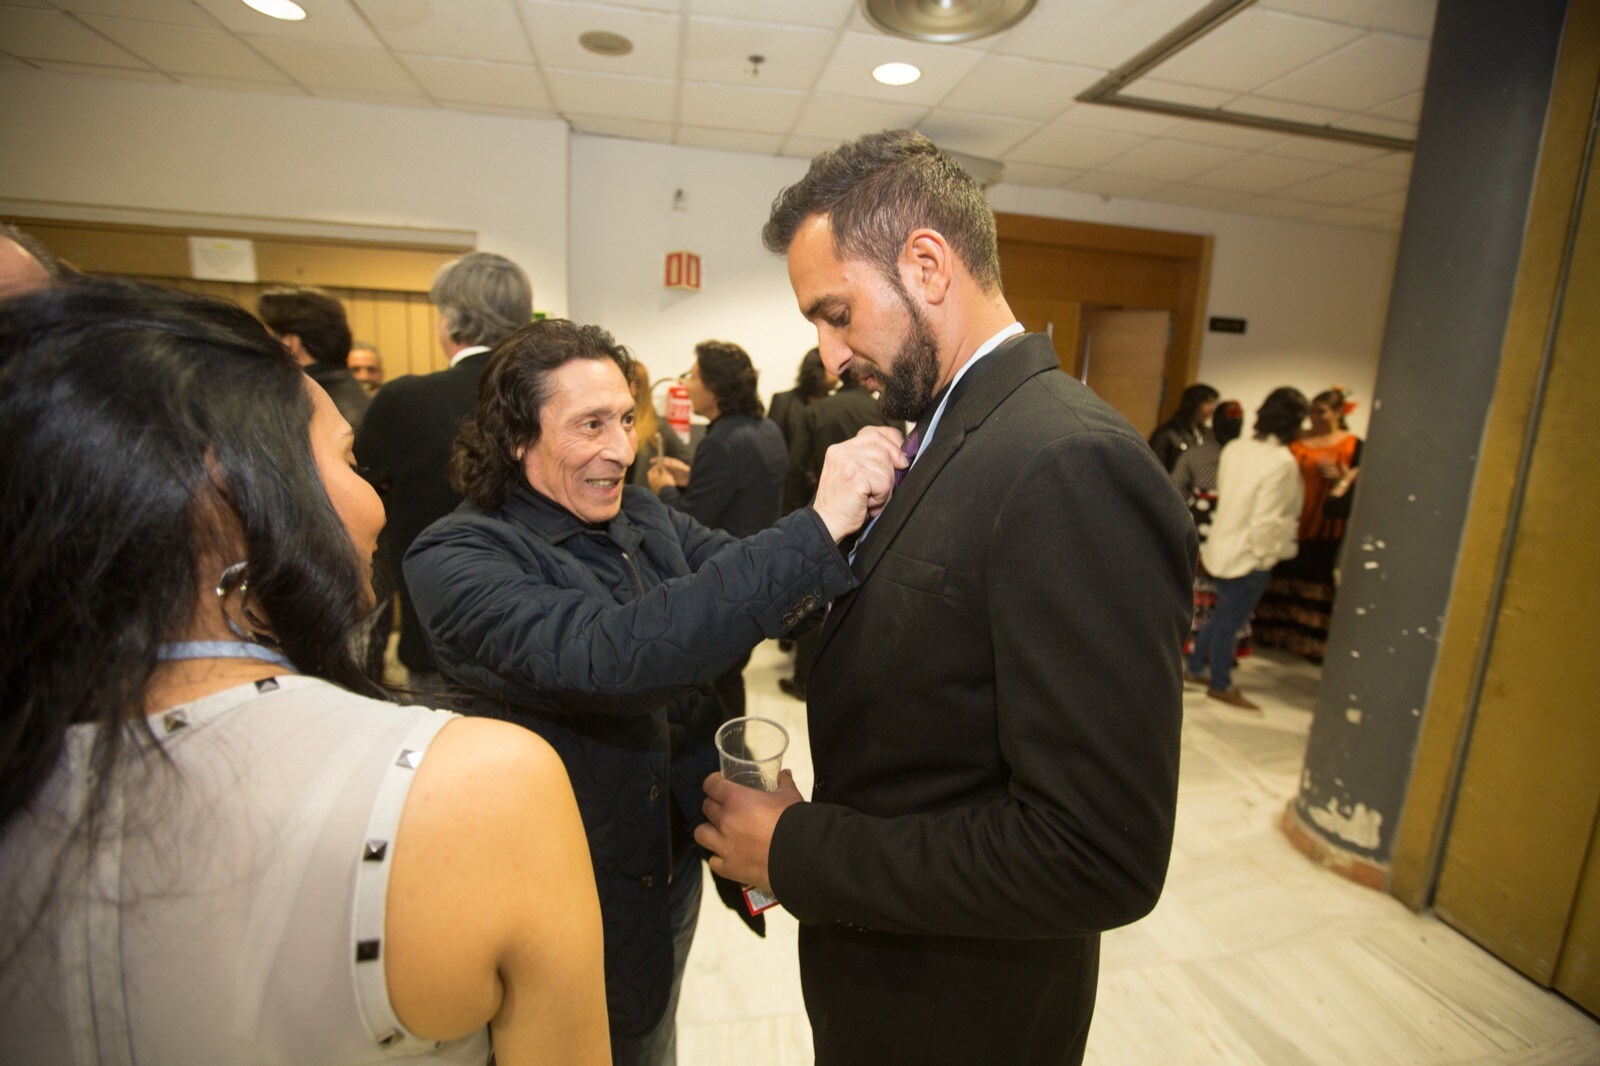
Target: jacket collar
555	524
1010	365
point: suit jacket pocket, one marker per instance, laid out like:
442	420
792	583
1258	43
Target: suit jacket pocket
912	573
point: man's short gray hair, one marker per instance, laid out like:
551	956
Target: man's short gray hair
484	298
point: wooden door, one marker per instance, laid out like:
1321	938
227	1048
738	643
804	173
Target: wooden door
1056	318
1124	361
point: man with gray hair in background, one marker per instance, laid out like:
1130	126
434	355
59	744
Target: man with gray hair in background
405	441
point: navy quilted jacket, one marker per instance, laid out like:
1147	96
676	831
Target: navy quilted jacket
600	641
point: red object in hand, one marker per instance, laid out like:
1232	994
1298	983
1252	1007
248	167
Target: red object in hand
679	409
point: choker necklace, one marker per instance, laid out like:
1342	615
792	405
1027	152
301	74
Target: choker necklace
220	649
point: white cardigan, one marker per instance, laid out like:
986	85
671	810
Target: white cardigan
1259	496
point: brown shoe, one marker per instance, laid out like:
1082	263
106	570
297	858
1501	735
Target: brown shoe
1193	679
1234	698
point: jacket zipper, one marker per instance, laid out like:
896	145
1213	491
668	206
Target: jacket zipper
665	793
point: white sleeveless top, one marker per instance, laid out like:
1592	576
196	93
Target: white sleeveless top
232	910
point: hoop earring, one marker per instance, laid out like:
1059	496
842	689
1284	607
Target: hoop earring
236	578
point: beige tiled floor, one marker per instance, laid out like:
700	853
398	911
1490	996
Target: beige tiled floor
1254	955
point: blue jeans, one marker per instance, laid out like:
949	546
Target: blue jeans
659	1047
1236	599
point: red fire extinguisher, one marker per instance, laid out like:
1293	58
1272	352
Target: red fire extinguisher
678	409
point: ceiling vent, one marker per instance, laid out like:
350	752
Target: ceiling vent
944	21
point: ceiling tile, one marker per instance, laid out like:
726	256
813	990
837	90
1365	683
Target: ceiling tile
1311	116
1372	71
9	62
1023	88
632	129
1347	216
849	70
1073	146
1190	196
1099	183
1385	127
326	22
718	50
1344	187
1119	119
612	96
983	135
492	84
200	81
1262	173
188	50
127	73
1407	108
730	140
1411	17
1224	135
1390	163
1171	160
415	99
806	147
673	6
1034	174
1321	151
828	14
332	68
1094	33
472	29
1175	93
1274	208
176	12
555	29
726	107
495	109
840	118
32	34
1253	48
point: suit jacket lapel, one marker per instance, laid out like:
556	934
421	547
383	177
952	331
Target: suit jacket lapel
1017	360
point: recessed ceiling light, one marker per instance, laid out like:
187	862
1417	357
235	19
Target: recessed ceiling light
287	10
896	73
605	43
945	21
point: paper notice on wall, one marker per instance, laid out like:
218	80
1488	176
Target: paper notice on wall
222	259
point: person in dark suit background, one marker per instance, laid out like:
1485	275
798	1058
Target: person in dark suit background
404	444
994	712
788	409
313	326
827	422
735	482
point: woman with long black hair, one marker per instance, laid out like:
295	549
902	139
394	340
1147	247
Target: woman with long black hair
219	842
1187	427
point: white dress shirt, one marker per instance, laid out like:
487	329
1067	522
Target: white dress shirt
1259	496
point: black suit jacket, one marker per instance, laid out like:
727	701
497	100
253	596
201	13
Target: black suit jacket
736	478
994	721
404	444
827	422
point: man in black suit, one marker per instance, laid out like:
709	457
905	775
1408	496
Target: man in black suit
404	443
823	424
995	710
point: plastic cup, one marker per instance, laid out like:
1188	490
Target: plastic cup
751	751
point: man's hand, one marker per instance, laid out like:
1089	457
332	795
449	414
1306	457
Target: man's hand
739	827
664	471
857	478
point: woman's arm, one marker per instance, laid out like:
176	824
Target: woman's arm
492	914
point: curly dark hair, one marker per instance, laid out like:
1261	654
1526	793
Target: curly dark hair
1281	413
812	380
879	187
511	393
147	431
726	370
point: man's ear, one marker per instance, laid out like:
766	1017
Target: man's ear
927	264
297	347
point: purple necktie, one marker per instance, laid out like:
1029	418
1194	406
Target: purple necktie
909	448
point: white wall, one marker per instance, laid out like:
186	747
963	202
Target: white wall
623	224
1314	295
110	143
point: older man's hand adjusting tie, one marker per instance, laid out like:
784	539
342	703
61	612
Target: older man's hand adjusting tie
857	478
